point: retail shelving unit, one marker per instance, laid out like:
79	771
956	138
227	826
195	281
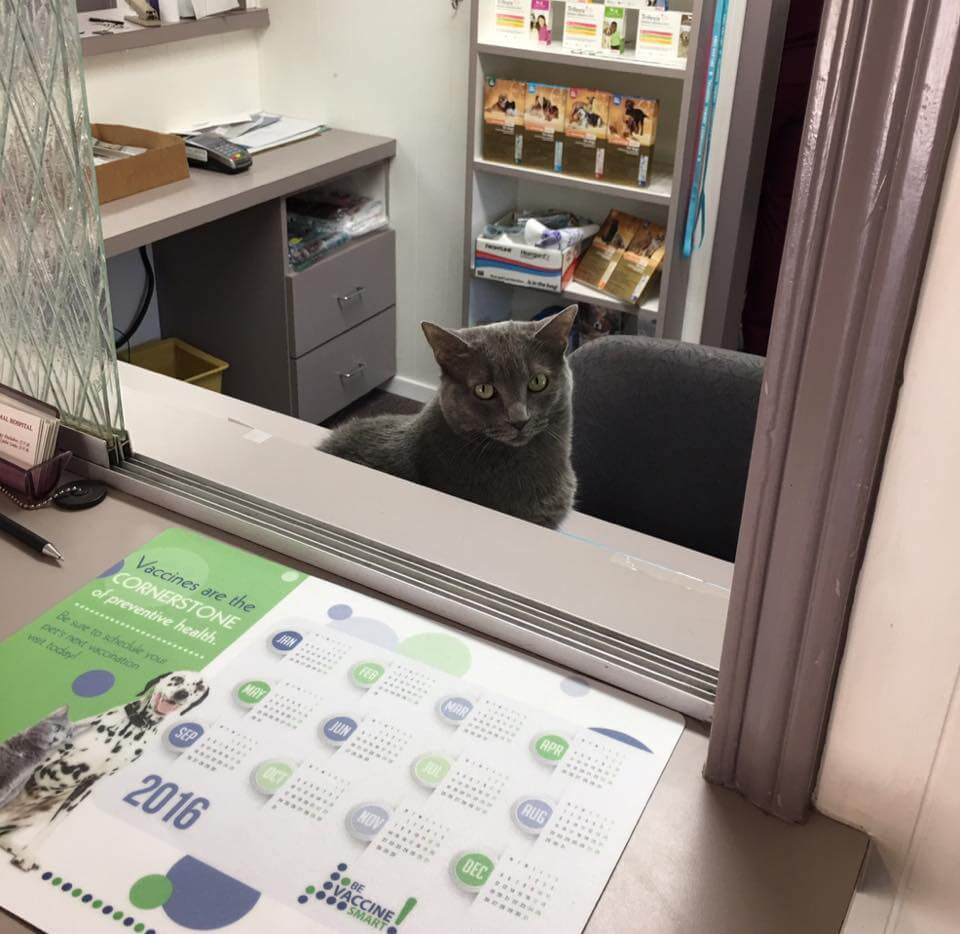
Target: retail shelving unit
492	188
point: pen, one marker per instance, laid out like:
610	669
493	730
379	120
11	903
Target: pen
115	22
30	539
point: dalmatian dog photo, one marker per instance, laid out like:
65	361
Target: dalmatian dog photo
96	747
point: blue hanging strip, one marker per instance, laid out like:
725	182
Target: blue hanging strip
696	207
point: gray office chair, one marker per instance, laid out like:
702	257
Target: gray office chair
662	433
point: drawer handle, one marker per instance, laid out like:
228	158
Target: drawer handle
346	302
350	375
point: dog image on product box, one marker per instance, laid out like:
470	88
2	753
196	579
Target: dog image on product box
631	133
543	122
503	105
585	133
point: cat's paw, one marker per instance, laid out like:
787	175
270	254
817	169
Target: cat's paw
23	860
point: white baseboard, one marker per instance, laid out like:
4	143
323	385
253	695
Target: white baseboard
410	389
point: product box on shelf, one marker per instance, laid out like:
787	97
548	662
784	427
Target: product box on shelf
585	132
658	35
518	263
543	122
503	105
613	37
640	262
583	27
631	133
510	18
607	248
541	22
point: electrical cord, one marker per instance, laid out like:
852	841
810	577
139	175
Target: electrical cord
145	299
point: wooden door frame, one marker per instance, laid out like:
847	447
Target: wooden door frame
880	122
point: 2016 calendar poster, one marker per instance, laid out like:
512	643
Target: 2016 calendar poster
201	739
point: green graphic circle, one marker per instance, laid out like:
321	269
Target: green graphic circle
76	893
472	870
438	650
138	927
251	693
56	880
117	915
311	889
430	769
96	903
150	892
270	776
550	748
345	882
366	674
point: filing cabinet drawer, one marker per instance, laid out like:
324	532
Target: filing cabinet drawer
351	285
344	369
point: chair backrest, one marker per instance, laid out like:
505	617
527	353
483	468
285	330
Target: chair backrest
662	433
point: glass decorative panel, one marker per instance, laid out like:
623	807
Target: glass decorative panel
56	332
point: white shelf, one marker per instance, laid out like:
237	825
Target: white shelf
577	292
556	53
657	192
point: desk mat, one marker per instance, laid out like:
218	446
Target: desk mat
202	739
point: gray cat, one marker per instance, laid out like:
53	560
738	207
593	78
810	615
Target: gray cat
497	433
22	753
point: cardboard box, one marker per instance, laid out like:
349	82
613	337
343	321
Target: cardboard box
631	133
503	120
608	246
521	264
585	132
164	161
543	120
640	262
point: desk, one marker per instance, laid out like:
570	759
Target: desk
305	344
701	858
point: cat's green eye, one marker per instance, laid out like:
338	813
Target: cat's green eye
538	382
484	391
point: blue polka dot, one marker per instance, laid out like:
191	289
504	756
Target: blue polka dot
334	876
108	909
302	899
46	876
93	683
327	886
331	900
66	886
342	867
341	906
340	611
87	898
128	921
391	930
150	931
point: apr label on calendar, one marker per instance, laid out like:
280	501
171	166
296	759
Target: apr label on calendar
201	739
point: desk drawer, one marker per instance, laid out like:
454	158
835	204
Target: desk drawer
339	292
344	369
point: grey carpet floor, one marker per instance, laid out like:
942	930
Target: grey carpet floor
377	402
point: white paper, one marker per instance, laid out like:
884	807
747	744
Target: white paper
472	751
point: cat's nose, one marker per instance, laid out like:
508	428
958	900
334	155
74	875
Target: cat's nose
519	421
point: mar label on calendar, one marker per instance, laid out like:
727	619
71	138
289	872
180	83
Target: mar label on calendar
208	740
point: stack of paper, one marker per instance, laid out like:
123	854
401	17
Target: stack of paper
28	430
257	131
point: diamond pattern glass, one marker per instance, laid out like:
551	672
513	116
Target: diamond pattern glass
56	332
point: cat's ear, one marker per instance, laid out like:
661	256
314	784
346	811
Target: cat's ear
451	350
61	713
555	331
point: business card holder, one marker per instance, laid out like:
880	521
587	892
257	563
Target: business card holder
32	485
